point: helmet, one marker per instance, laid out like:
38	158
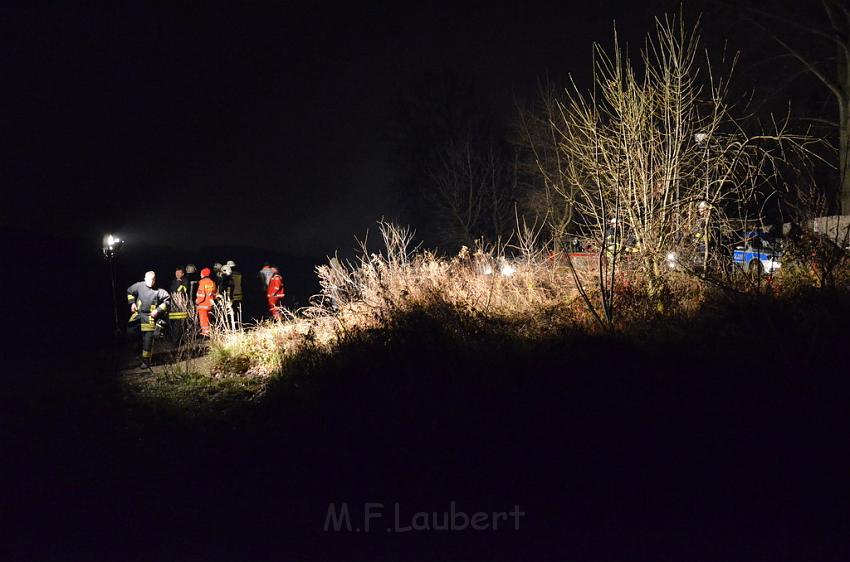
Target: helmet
230	263
217	266
226	269
205	272
190	268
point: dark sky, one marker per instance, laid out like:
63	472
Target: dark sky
205	125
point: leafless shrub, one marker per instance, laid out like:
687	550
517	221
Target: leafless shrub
655	159
492	279
815	259
190	345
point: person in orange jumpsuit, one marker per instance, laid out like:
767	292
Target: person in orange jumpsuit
204	299
275	293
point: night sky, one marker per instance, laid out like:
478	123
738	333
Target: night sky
267	126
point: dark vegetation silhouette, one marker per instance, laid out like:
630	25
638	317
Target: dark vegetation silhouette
719	438
453	158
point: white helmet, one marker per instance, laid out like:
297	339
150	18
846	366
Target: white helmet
226	269
230	263
217	266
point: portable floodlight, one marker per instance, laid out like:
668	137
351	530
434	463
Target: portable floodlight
111	246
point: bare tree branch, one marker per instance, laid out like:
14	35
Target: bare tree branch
833	86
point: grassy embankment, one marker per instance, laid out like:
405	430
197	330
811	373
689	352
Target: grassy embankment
707	424
479	306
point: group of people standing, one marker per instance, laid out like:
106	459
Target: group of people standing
152	308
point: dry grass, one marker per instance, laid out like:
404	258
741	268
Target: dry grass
482	281
261	350
514	289
516	285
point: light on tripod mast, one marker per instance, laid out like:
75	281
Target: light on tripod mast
111	245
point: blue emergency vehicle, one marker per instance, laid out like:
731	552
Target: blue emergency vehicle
758	253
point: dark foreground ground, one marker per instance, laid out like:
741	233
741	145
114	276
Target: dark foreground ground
717	445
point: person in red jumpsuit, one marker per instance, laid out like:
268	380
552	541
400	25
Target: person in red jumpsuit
204	300
275	293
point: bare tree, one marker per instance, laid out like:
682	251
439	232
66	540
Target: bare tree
652	142
472	190
432	118
544	162
835	34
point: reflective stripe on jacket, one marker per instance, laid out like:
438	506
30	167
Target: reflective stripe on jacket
206	293
179	286
147	301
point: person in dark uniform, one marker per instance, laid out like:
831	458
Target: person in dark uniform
192	277
147	305
236	294
180	306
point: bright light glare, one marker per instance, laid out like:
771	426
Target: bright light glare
111	244
488	270
508	270
699	137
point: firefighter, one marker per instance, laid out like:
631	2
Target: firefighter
703	210
204	299
235	283
275	293
224	282
225	291
180	307
577	247
700	231
236	295
192	277
619	240
180	284
264	276
148	307
216	275
612	238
